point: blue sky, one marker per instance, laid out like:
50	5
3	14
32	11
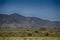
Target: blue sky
45	9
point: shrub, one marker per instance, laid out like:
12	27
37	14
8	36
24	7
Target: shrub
36	32
47	34
42	29
29	34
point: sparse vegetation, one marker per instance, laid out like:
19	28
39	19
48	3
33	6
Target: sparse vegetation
30	38
29	35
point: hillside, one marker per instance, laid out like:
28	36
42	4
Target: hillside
17	21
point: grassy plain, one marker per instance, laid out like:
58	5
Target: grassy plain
29	35
29	38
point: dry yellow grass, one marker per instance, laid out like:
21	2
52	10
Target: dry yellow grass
29	38
16	35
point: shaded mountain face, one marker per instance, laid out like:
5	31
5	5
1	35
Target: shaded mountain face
17	18
16	21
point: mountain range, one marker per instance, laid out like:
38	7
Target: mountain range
17	21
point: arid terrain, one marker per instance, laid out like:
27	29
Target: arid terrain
18	27
29	35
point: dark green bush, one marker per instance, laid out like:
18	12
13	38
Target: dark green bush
29	34
36	32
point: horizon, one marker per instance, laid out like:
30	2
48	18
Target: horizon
45	9
32	16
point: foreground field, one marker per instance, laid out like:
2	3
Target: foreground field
29	33
29	38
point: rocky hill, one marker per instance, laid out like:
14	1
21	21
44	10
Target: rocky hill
17	21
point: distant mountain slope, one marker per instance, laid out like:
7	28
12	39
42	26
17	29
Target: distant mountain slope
16	21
